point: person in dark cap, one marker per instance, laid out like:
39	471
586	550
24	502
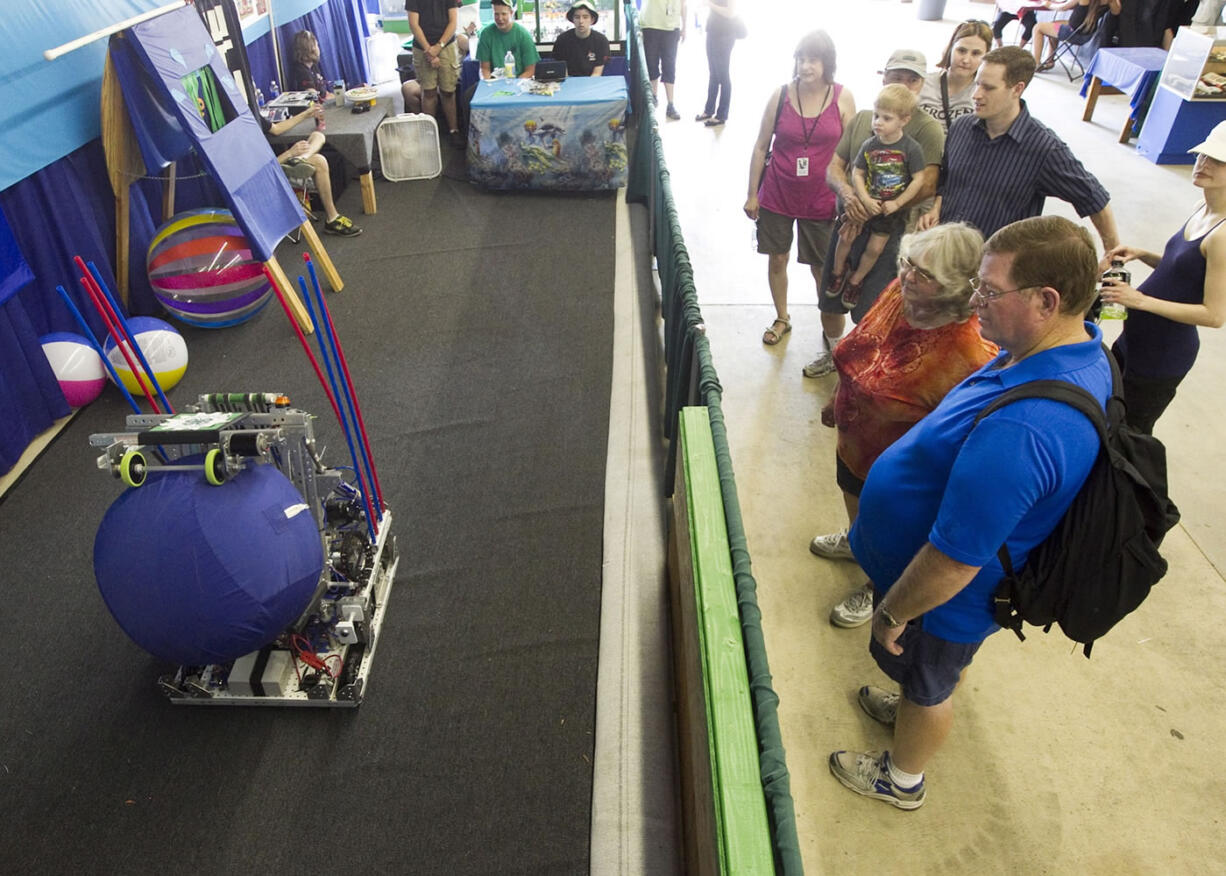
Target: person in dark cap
584	50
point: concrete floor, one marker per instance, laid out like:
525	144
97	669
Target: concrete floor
1056	764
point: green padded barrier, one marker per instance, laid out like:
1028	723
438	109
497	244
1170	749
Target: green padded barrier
740	808
689	364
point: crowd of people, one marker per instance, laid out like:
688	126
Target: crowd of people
922	220
441	31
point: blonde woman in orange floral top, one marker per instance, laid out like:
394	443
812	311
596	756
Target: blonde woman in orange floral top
919	339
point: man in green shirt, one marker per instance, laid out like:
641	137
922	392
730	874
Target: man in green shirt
503	36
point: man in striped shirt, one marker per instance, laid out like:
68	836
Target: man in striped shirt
1001	164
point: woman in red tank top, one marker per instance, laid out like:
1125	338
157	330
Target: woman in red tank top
801	127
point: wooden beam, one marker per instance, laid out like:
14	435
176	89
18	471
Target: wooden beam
323	262
291	295
123	164
168	193
368	193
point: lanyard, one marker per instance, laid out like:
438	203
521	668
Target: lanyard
808	132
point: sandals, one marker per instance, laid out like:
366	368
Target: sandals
1049	64
714	122
771	336
702	117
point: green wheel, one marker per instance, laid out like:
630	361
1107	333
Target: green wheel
132	468
215	467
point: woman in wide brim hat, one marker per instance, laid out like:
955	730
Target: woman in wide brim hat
1187	289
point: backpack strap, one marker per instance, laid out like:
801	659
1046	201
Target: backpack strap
1075	397
945	99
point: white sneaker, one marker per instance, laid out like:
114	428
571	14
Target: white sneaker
832	546
855	610
878	704
868	773
821	366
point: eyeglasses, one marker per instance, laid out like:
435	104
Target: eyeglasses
985	293
905	265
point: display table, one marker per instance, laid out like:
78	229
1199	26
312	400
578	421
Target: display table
1132	71
573	140
1174	125
350	134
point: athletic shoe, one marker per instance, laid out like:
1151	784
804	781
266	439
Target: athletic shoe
342	226
850	294
821	366
832	546
855	610
868	773
671	112
878	704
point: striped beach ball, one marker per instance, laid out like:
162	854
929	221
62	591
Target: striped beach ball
164	348
77	366
203	271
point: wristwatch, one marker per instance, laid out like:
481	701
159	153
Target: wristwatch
890	621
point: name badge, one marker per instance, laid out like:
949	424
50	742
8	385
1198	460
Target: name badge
802	165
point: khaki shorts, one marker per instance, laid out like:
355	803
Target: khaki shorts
775	236
445	76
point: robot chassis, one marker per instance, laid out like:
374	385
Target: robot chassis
325	657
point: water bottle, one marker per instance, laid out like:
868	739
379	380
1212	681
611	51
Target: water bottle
259	97
1115	310
508	65
273	90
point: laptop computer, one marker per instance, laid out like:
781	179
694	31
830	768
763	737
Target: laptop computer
550	71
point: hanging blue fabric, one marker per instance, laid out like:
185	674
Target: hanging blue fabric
175	45
30	398
340	29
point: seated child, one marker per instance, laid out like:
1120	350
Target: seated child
886	179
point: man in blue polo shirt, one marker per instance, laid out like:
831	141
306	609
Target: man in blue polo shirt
939	503
1001	164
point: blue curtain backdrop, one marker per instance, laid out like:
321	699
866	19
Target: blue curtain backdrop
67	209
340	27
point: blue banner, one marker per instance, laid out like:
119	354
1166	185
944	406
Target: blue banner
51	107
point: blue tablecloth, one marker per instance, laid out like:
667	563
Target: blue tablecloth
574	140
1133	71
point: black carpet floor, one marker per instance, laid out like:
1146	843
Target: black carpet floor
478	329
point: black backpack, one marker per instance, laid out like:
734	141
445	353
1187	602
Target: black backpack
1102	558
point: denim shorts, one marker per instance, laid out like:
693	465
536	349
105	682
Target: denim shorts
928	669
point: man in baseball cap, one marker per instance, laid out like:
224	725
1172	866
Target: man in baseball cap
905	67
584	50
907	59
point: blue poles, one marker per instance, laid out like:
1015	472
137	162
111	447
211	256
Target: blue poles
353	454
93	342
